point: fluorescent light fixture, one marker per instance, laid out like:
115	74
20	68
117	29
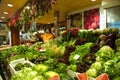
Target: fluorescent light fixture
9	5
5	12
28	7
93	0
3	17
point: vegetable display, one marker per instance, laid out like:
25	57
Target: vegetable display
93	52
79	53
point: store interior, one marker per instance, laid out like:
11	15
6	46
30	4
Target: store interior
69	15
65	31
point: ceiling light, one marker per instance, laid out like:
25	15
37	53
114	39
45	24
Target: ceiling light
48	22
9	5
5	12
3	17
93	0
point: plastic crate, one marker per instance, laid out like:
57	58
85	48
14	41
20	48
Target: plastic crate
15	62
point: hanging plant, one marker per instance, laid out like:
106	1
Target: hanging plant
37	9
24	17
40	7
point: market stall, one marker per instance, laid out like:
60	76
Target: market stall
92	52
75	48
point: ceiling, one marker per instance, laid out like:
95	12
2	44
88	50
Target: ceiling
105	2
64	7
17	4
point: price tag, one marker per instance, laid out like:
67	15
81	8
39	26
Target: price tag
76	57
71	73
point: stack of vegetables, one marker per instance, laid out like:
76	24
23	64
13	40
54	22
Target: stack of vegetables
37	72
93	51
107	61
17	52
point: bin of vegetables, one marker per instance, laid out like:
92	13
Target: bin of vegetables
17	65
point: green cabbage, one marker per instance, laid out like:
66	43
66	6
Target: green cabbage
80	52
105	52
92	72
117	78
40	67
50	74
25	74
96	65
117	42
72	67
118	48
39	78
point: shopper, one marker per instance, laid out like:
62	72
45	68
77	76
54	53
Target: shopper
38	36
25	37
53	31
47	35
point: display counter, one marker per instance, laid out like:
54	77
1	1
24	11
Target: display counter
4	47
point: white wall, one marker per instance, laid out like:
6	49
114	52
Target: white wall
110	3
106	4
102	6
84	9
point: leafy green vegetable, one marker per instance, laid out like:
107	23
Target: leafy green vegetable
118	48
102	43
25	74
117	54
88	35
50	74
20	66
60	68
51	62
103	37
92	72
99	59
111	67
117	42
105	52
36	45
79	53
117	78
96	65
40	68
105	31
37	72
40	77
62	50
109	63
65	77
71	42
5	54
72	67
117	66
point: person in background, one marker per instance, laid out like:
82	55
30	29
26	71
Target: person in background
47	35
53	31
37	35
9	38
25	36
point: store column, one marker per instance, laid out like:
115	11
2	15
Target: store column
15	37
56	23
68	22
